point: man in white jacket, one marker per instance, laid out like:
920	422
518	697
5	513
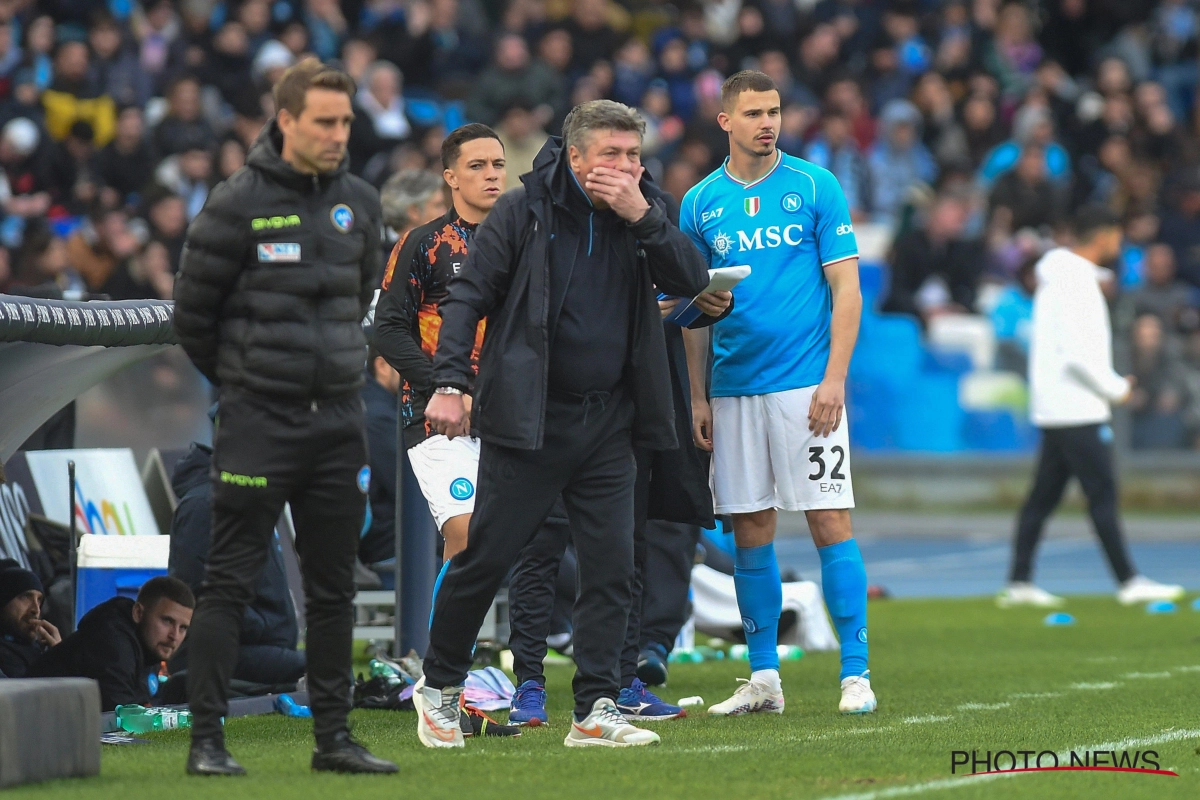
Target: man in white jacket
1072	386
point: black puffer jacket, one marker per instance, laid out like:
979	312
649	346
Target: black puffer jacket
276	277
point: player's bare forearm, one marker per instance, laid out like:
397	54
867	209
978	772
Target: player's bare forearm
847	312
829	399
695	344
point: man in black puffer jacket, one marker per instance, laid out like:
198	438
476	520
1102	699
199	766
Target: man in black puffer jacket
276	276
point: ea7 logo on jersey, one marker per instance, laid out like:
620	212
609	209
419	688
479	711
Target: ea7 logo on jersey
705	216
769	237
722	243
845	228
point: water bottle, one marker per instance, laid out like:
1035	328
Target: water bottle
134	719
739	652
167	719
139	719
709	653
380	669
285	705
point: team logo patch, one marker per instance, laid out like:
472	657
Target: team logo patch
752	204
462	489
791	202
749	625
862	635
364	480
342	217
274	252
722	243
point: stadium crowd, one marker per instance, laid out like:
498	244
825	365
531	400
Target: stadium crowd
966	130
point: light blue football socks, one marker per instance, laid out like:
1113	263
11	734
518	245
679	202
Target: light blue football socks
844	583
760	599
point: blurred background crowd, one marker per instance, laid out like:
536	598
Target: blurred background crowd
964	132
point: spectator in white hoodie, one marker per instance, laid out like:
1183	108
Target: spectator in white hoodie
1072	386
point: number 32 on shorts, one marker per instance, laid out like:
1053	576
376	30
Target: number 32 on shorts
816	456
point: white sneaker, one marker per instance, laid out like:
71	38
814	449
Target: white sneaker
437	715
1139	589
751	697
1027	594
857	697
605	727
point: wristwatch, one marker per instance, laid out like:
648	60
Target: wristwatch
447	390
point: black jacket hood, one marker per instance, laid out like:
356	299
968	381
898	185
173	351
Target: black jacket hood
266	155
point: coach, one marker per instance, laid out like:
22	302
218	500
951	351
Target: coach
572	376
276	276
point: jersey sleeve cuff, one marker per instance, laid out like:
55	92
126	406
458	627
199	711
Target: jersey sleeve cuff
836	259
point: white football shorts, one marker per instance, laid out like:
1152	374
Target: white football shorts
764	456
447	470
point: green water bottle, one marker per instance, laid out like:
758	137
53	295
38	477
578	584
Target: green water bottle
134	719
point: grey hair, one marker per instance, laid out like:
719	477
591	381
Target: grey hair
404	190
600	115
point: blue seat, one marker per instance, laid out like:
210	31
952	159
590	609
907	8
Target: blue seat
928	416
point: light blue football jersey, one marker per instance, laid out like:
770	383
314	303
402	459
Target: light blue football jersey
788	226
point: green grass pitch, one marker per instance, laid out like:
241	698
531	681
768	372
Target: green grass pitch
950	675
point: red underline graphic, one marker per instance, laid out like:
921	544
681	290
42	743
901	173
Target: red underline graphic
1080	769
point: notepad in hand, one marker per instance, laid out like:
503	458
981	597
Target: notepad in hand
722	279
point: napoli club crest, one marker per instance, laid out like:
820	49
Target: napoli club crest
342	217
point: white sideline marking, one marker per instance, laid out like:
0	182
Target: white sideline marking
716	748
1143	676
982	706
954	783
1098	685
1189	668
1034	695
924	719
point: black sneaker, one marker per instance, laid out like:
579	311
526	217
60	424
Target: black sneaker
476	723
344	754
209	757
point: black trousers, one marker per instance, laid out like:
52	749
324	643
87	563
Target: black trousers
533	591
663	556
1085	452
587	458
268	453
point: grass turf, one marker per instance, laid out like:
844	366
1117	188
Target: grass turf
950	675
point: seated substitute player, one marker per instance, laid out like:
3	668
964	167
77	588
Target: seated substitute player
776	423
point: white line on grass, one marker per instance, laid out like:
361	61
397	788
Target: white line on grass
1095	686
1189	668
969	780
1034	695
925	719
982	706
1144	676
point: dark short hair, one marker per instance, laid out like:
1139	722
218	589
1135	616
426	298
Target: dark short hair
1092	219
292	90
165	587
452	144
748	80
